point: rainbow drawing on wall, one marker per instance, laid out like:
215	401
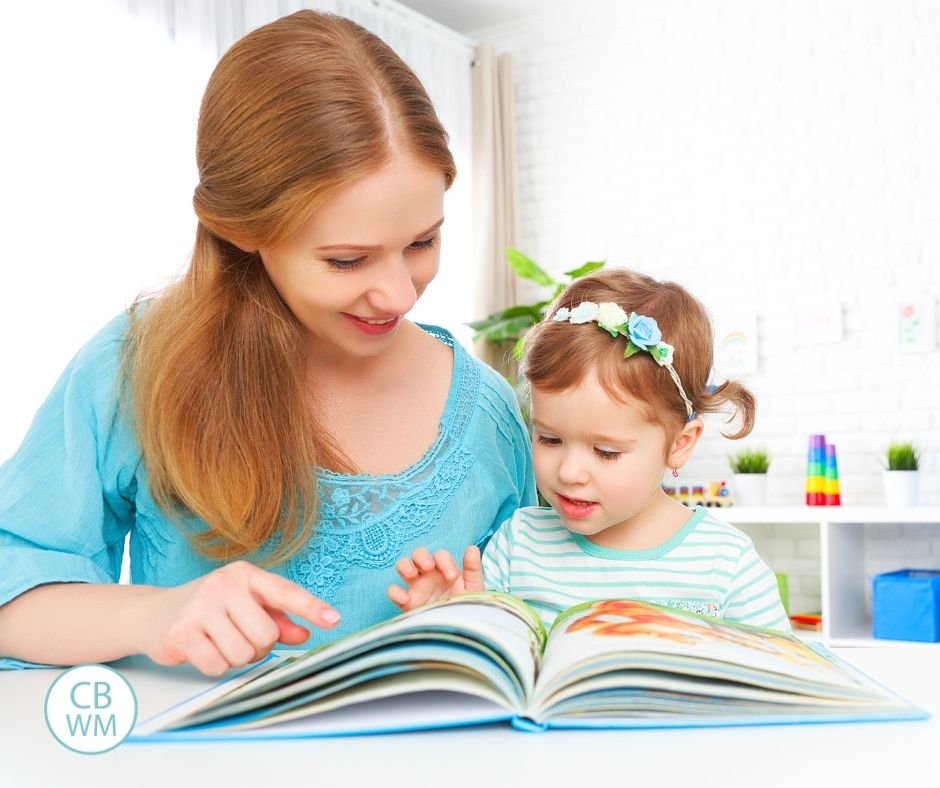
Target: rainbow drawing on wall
733	347
736	344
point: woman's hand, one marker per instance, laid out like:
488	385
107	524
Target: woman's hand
430	578
230	617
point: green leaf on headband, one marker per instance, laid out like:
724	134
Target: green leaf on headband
631	349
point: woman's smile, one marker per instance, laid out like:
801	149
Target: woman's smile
373	326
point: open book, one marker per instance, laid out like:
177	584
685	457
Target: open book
483	658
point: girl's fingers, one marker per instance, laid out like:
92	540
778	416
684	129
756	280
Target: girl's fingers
446	565
399	595
406	569
423	560
278	592
473	569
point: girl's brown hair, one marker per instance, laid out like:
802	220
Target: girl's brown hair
217	363
558	355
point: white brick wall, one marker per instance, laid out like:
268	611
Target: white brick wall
759	153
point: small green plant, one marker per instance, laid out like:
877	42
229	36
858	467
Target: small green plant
514	322
903	457
749	461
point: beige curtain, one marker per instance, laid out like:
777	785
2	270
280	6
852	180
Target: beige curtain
494	189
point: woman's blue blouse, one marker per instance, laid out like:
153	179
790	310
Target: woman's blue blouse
78	486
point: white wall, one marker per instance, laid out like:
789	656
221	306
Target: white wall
97	151
98	173
759	153
762	154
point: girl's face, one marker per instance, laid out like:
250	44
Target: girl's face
362	259
598	462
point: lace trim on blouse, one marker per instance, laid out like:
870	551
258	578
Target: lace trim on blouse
366	520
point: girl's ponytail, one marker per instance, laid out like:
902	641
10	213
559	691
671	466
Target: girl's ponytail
717	399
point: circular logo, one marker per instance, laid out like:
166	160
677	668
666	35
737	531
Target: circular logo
91	709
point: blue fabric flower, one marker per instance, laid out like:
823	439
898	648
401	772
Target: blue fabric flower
643	331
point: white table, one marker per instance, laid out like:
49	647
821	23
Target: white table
858	754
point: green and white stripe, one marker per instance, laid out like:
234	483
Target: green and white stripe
708	566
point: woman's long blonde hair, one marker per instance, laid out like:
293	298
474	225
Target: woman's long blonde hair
217	363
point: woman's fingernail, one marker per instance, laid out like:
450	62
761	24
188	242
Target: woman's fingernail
330	616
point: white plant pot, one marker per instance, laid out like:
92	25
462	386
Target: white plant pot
750	489
900	488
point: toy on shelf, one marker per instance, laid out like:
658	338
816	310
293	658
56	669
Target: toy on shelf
905	605
816	471
783	586
822	473
714	494
832	477
811	621
718	494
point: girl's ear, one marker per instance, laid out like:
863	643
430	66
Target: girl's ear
684	444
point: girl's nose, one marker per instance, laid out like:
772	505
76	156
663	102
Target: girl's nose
572	469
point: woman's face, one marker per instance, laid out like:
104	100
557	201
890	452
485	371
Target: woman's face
362	259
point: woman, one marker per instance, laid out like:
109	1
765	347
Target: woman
271	431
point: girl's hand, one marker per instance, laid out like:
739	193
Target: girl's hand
228	618
430	578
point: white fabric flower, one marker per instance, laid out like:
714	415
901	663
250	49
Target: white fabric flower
611	316
662	352
585	312
562	314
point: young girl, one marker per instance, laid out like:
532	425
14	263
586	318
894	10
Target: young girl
272	432
618	375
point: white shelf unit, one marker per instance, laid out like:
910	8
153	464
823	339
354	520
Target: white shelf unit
844	591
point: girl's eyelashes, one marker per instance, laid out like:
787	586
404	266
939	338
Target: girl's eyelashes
348	264
604	454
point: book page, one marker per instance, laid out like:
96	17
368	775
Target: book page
400	713
484	644
638	656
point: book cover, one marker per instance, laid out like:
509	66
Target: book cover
486	658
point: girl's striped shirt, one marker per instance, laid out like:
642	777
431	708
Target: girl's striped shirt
708	566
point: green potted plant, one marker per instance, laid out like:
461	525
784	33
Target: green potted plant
750	476
901	477
510	325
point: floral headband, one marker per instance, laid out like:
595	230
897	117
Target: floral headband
641	332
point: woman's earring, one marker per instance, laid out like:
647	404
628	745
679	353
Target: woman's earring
675	473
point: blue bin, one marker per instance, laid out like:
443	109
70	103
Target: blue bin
906	605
